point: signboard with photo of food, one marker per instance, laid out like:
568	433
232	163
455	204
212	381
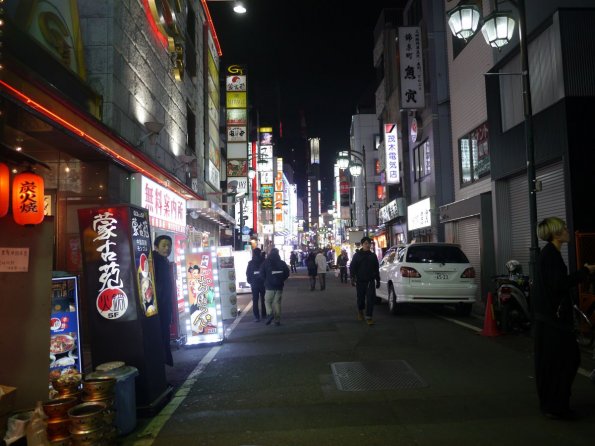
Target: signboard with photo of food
64	328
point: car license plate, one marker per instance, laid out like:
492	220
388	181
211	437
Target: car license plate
441	276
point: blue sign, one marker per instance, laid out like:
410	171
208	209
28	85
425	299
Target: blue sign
245	230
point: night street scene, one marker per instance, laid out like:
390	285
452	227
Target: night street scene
260	223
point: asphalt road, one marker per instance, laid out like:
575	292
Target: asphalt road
322	377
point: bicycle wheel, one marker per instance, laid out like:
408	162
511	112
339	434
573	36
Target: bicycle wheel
583	328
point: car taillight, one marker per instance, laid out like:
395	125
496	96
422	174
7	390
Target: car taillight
469	273
409	272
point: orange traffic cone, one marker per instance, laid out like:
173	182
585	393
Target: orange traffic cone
490	328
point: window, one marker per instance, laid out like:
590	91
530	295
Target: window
474	155
422	160
190	129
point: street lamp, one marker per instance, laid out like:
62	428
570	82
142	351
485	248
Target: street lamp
344	161
497	30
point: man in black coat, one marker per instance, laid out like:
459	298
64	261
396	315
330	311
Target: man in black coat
164	287
365	273
274	271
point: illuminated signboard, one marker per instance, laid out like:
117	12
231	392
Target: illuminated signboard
391	144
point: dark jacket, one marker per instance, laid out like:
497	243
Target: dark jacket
552	300
275	271
364	266
342	260
164	288
253	275
311	264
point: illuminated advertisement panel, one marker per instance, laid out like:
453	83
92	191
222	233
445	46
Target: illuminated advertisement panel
204	302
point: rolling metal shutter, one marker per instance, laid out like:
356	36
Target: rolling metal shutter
550	203
468	237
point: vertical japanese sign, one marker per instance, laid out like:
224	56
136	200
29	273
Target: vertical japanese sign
412	71
391	145
278	212
143	261
213	154
108	260
204	300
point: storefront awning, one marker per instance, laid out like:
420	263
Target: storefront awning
206	209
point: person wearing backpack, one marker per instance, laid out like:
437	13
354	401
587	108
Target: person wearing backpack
256	284
312	269
274	271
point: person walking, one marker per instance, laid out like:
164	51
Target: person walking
312	269
256	284
293	259
321	267
274	271
342	264
557	355
364	269
164	288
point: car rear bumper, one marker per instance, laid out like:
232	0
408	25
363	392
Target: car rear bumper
440	295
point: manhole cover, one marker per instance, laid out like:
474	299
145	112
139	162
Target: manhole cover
375	375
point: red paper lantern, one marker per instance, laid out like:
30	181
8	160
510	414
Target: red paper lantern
27	198
4	189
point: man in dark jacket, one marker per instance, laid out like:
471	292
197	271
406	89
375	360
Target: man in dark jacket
164	287
274	271
365	273
256	284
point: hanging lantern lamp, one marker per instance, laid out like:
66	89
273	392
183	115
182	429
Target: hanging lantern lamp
27	198
4	189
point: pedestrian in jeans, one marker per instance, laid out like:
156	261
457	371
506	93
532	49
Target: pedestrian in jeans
274	271
365	276
312	269
342	264
256	284
321	267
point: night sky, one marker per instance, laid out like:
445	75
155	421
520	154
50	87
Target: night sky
304	58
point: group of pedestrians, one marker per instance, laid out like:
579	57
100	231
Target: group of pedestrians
266	276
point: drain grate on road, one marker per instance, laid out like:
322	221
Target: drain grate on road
375	375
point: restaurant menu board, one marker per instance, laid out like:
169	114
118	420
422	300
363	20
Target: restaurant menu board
227	287
203	297
65	345
143	261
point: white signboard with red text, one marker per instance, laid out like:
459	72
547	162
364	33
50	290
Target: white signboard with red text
167	210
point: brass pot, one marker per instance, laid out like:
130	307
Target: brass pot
86	417
67	384
108	401
57	409
99	386
87	436
58	430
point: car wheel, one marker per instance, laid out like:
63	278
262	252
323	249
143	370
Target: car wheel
392	300
463	309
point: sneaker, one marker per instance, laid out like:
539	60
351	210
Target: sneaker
370	321
256	320
269	320
360	315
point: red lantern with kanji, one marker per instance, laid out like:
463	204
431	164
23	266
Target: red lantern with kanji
27	198
4	189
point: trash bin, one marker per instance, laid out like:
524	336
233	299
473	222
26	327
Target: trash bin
125	396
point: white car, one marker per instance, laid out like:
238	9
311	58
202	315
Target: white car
427	273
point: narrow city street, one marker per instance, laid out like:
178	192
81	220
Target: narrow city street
322	377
